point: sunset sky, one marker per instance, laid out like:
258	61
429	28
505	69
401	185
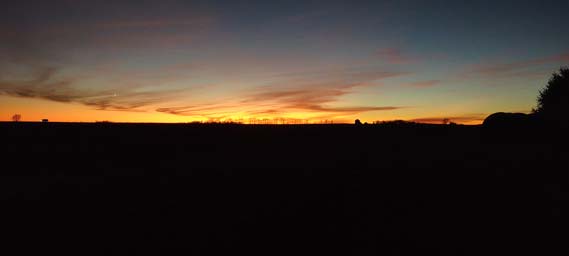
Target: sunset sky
183	61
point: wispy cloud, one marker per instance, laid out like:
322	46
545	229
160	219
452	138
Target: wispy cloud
315	94
466	119
312	100
517	68
131	34
197	21
423	84
311	93
45	85
21	45
396	56
204	109
305	16
105	32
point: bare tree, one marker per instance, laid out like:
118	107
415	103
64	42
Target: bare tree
16	117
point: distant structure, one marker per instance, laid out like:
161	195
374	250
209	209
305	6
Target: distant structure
44	120
358	122
16	118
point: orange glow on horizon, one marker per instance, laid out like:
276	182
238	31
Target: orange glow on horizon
37	109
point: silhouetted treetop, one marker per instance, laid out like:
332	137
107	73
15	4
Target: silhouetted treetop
553	100
16	117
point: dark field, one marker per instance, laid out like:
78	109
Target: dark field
157	189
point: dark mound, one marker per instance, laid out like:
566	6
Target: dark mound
508	120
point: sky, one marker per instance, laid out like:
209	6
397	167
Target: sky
282	61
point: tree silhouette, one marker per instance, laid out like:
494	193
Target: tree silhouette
553	100
16	117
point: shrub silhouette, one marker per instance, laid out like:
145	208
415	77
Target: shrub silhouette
16	118
553	100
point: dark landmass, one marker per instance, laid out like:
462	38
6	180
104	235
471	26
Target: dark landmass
156	189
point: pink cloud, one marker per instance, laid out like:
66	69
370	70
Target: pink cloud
509	68
395	56
156	23
118	33
423	84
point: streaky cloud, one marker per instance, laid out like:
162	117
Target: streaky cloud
44	85
517	68
313	93
308	92
396	56
468	119
423	84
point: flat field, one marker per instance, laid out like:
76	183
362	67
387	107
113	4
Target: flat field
207	189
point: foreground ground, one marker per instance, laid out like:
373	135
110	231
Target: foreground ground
283	190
